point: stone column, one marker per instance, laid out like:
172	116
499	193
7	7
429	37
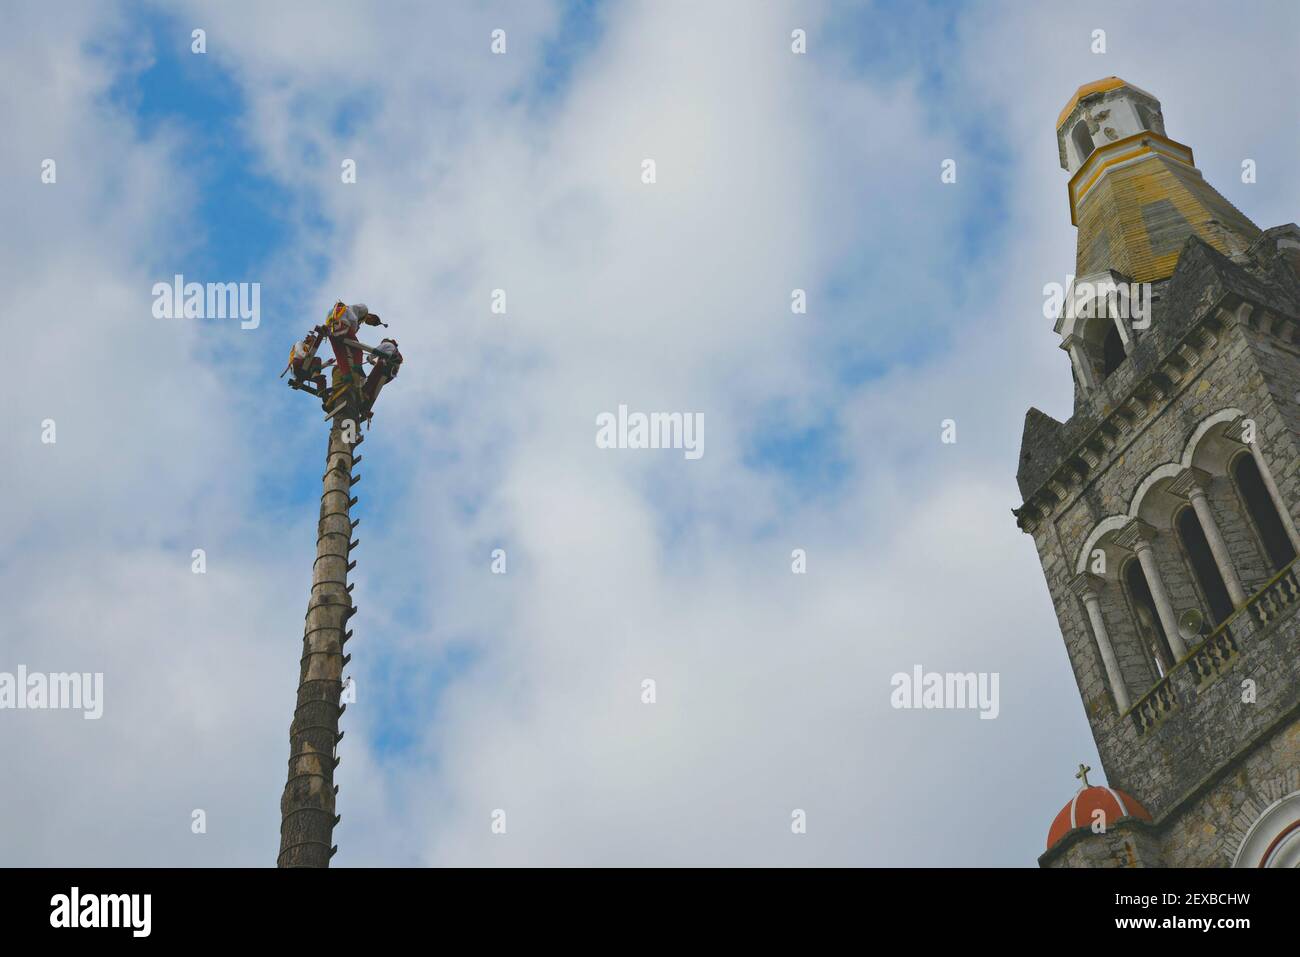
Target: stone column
1086	586
1283	512
1191	484
1079	359
1138	535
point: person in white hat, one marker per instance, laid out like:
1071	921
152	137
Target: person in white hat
306	366
387	360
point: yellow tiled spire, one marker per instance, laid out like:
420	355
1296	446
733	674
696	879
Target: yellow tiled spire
1134	193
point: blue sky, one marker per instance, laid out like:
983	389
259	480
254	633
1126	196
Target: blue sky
241	209
521	172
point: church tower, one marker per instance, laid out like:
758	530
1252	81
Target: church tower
1166	509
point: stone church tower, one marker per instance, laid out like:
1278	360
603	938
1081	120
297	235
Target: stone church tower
1165	509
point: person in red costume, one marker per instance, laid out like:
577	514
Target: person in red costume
341	326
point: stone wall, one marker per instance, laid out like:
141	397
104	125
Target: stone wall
1211	828
1127	843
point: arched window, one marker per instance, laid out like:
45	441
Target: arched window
1082	140
1150	631
1263	513
1204	567
1112	351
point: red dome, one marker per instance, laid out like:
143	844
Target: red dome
1112	802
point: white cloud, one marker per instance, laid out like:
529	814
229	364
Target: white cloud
98	527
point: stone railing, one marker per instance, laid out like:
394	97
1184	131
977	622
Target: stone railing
1213	656
1277	596
1154	706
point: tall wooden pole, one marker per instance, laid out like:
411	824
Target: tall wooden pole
307	815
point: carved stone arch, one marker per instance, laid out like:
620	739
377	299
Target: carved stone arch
1215	448
1209	447
1274	839
1101	536
1151	501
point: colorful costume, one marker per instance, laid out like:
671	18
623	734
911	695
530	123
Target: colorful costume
387	360
341	325
306	365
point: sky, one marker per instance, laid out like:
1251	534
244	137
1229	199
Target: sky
522	171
